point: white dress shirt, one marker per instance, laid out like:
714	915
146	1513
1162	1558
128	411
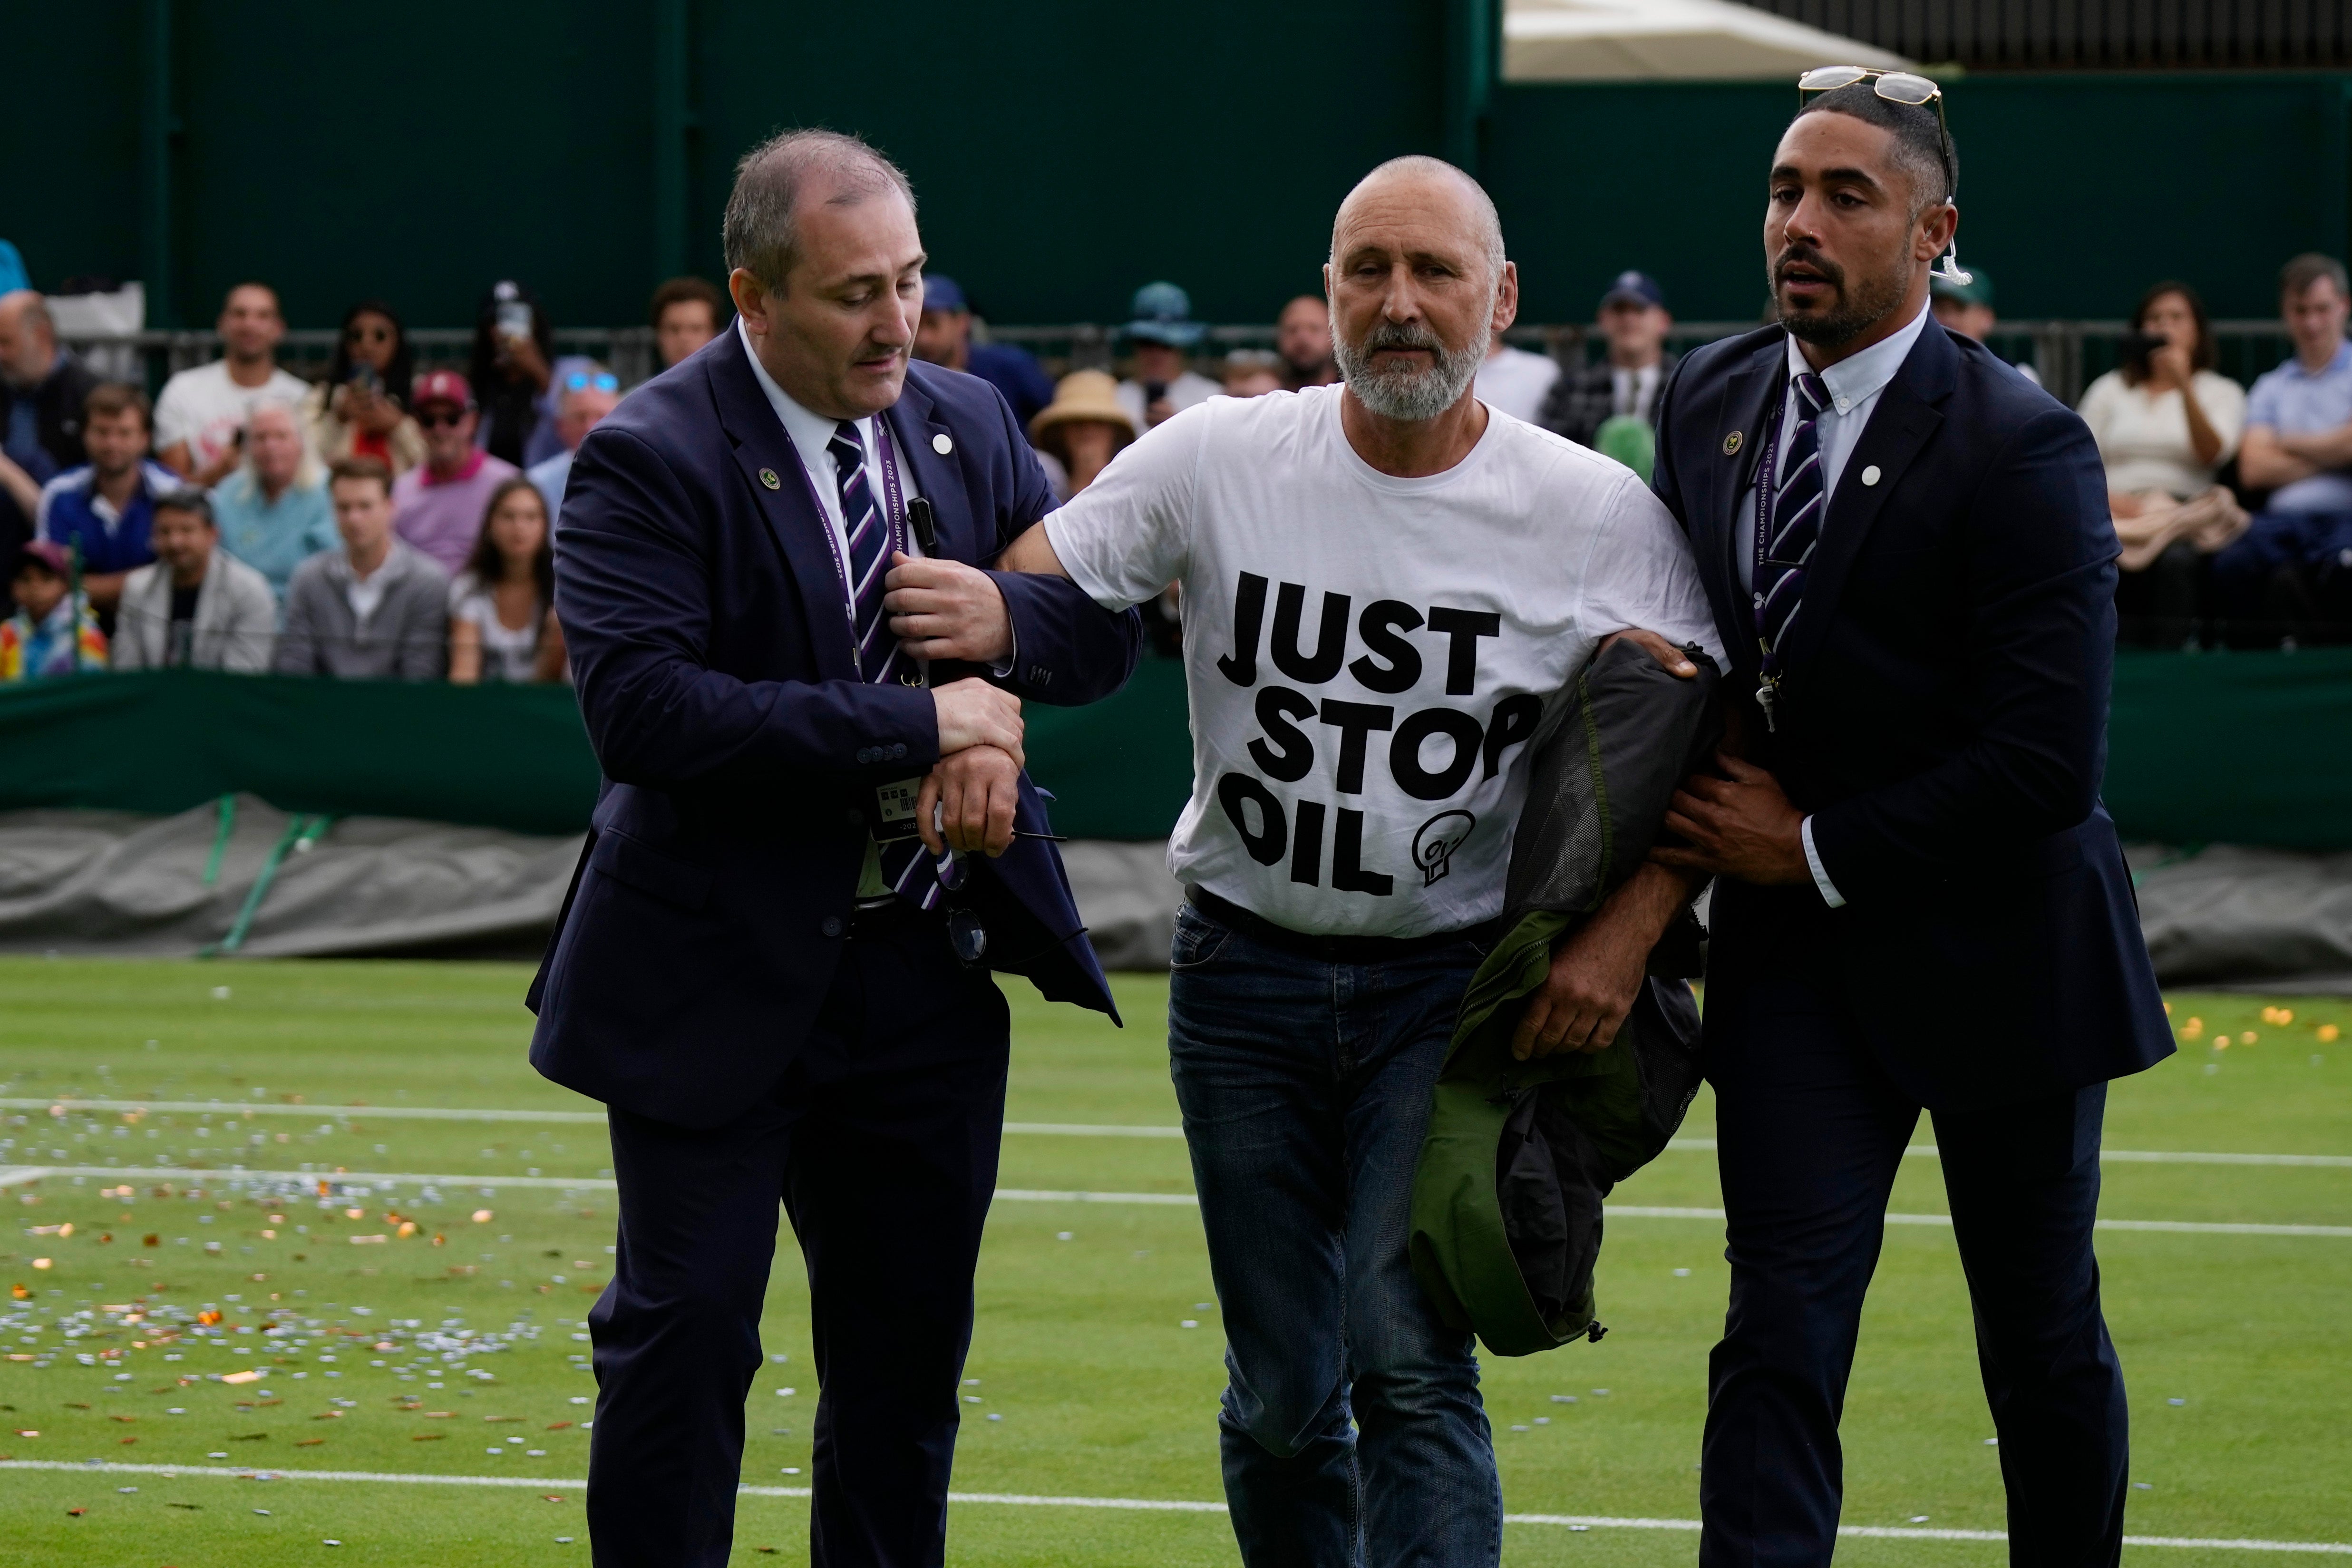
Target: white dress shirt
812	436
1854	384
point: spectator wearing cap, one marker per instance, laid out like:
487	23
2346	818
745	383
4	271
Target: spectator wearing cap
1633	321
513	370
53	630
361	409
1302	336
1160	339
944	338
588	395
42	388
1514	380
2298	447
375	609
438	506
1967	309
196	608
200	418
102	511
686	312
273	513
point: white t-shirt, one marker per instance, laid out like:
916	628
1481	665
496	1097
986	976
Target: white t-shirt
1516	381
204	408
1358	748
509	653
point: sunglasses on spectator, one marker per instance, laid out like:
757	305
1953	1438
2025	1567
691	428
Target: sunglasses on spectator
580	381
359	332
435	417
1900	87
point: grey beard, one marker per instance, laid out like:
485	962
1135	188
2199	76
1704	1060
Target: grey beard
1408	395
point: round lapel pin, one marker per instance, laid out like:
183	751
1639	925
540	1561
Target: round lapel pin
1731	445
1870	475
768	478
942	444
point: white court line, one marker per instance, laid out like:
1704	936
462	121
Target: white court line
1032	1196
20	1175
25	1175
1139	1505
260	1108
2125	1156
1018	1128
1944	1220
1076	1130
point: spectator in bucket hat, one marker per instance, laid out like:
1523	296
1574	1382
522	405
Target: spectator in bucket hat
1159	338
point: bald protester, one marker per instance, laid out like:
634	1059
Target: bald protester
1382	580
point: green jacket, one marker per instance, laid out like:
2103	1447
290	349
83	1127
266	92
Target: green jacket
1518	1156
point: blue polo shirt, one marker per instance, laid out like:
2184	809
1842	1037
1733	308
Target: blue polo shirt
74	513
2298	402
274	537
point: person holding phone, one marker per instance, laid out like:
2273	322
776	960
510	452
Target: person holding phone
1161	338
2166	421
512	369
361	409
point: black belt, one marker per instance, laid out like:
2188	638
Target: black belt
1337	949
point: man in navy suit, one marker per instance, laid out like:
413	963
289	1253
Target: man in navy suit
771	967
1921	902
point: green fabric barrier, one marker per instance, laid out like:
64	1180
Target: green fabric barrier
2241	748
496	756
2232	747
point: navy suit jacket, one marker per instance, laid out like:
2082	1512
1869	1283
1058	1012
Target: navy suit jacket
1942	717
704	616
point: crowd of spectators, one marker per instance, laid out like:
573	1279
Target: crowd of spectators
367	526
389	523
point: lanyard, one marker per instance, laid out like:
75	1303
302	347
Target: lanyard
1765	463
893	516
1767	685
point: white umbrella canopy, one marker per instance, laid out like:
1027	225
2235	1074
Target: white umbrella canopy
1668	40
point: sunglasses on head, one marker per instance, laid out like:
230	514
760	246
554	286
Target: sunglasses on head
437	418
580	381
1900	87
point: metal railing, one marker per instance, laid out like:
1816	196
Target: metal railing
2067	354
151	358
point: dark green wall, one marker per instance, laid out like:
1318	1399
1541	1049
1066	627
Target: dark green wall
2077	192
1064	152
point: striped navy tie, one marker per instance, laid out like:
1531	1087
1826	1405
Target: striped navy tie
1798	502
905	865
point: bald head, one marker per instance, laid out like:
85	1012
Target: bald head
28	338
1431	196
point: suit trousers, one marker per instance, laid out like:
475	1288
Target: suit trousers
1811	1133
881	1142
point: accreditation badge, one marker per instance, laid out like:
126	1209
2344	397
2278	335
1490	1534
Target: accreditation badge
892	814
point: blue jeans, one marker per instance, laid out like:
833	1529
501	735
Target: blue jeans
1351	1428
2274	541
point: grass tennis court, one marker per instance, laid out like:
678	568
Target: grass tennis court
418	1355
